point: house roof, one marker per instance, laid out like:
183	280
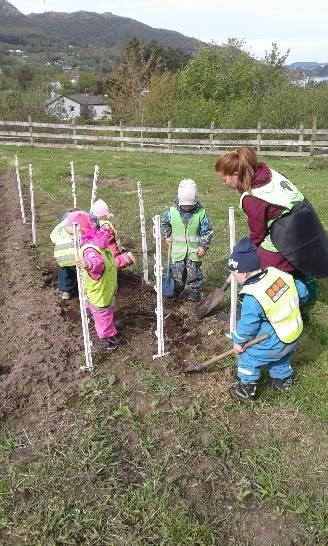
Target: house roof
88	100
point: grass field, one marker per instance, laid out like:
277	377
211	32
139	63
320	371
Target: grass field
185	466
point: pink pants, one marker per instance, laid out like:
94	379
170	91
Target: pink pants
104	321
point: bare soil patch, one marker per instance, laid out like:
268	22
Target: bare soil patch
39	358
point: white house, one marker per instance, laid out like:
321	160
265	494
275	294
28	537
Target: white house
71	106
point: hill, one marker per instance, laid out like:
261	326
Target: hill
82	29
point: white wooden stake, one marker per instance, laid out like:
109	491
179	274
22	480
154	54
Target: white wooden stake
233	284
84	319
158	270
73	184
30	172
143	233
94	186
20	194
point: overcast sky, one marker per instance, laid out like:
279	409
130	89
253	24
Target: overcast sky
302	27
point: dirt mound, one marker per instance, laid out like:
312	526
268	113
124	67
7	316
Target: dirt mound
39	357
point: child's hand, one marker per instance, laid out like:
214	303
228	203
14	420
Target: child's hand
238	348
201	251
132	257
169	240
81	264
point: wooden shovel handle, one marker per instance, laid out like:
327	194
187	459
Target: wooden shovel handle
226	283
169	252
231	351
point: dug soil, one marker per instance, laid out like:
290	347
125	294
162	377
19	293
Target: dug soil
41	340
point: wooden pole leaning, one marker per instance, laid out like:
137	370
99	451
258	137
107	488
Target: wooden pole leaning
88	366
94	186
30	172
233	284
143	233
158	271
73	184
20	193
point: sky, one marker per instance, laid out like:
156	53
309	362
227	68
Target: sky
301	27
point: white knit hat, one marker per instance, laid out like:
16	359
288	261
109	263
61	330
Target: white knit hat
100	208
187	192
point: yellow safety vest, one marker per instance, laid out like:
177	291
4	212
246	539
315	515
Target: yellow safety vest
277	294
64	253
186	239
279	191
101	292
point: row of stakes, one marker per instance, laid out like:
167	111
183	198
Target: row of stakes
158	268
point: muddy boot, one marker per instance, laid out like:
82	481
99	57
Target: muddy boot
194	296
282	384
244	392
65	296
106	344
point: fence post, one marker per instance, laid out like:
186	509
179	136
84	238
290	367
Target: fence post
30	172
88	366
121	133
313	135
30	128
20	194
158	270
143	233
211	137
233	284
259	129
301	137
169	135
74	132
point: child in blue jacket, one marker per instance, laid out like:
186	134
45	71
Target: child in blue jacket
270	305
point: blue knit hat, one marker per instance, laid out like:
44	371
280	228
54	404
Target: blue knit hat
244	257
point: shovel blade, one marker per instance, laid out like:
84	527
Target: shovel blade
168	285
206	306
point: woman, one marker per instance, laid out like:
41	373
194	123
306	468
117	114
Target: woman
282	223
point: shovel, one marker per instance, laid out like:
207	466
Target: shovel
214	298
168	285
204	365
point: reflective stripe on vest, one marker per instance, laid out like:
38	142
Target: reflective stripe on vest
186	239
279	191
101	292
277	294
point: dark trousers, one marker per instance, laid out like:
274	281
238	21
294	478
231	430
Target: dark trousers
187	273
67	281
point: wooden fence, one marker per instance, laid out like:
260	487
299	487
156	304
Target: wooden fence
272	142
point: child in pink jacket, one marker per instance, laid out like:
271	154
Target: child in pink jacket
101	211
100	277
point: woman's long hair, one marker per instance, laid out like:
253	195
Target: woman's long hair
243	161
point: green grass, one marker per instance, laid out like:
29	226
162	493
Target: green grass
184	467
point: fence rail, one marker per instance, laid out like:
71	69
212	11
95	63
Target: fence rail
176	140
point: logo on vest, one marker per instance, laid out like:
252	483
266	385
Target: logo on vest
277	289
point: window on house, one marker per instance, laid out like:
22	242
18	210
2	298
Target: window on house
72	108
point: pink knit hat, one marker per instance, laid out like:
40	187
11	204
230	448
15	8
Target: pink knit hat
100	208
80	217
